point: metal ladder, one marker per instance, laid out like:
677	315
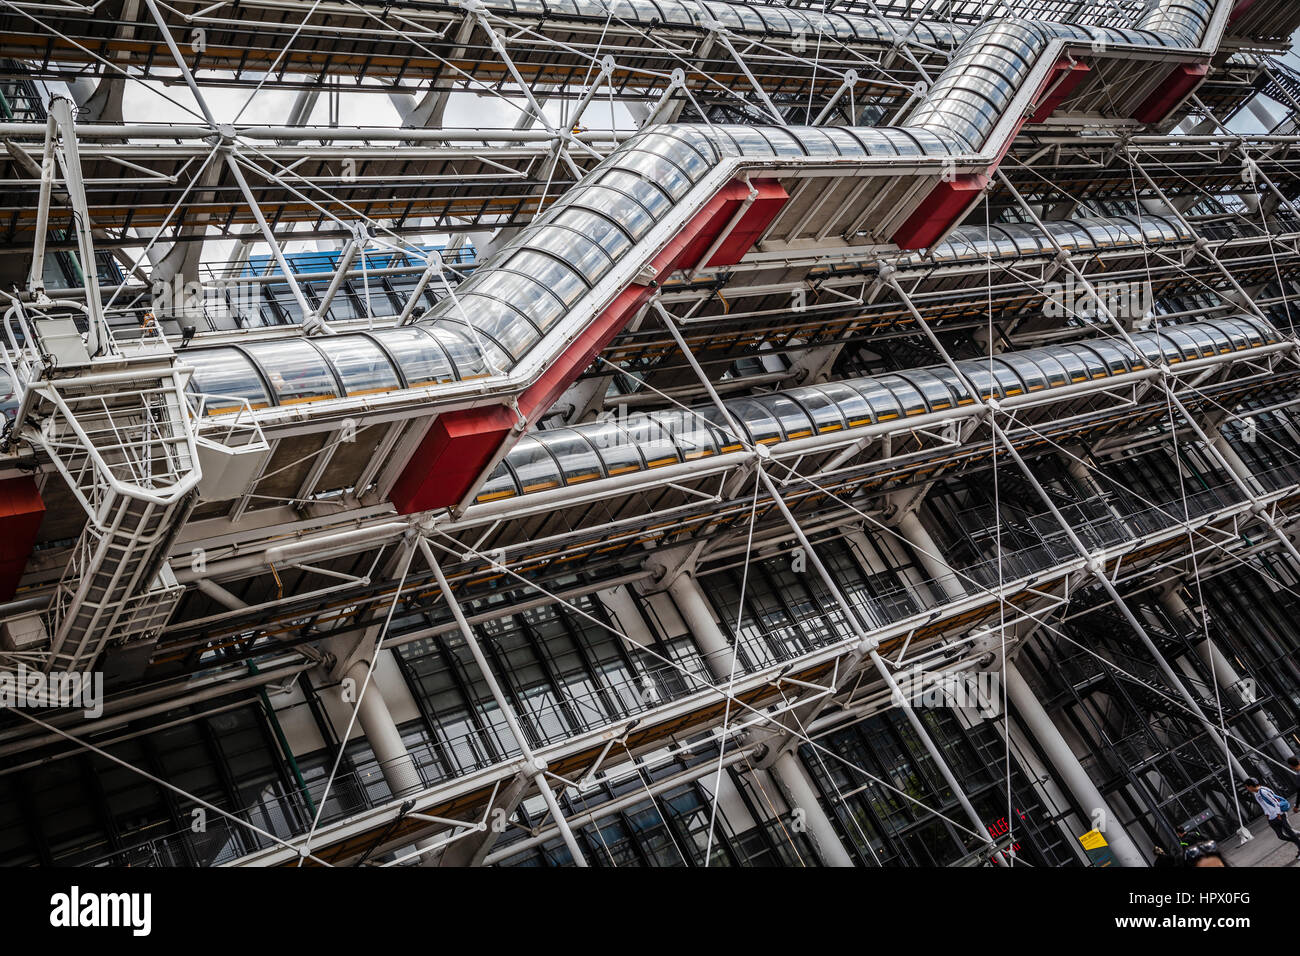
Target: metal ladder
119	432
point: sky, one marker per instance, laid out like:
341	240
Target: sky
156	102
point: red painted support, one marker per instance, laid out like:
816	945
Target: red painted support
771	197
1177	86
460	445
21	511
947	203
951	199
1240	10
455	450
694	241
1070	74
561	373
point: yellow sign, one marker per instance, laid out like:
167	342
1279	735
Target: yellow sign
1093	840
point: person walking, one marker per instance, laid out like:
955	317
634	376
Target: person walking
1274	808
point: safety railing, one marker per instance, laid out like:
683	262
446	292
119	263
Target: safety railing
549	719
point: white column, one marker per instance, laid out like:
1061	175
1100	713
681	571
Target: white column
943	582
1081	473
381	731
1062	758
1226	676
1234	461
618	601
787	771
713	645
790	776
395	761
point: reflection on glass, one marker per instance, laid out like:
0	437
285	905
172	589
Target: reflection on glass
226	372
297	372
418	356
534	465
362	364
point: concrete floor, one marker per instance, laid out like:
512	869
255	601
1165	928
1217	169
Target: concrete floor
1265	850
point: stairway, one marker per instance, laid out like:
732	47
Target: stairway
118	429
1284	88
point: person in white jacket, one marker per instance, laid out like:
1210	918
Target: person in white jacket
1271	804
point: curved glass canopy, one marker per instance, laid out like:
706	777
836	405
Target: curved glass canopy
581	453
299	370
514	298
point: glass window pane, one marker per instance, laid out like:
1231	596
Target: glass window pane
906	392
883	403
500	484
473	355
656	445
519	291
1030	374
723	432
654	200
978	373
617	206
1114	357
794	420
691	433
296	371
850	403
418	356
226	372
1011	382
956	385
583	254
761	424
549	273
658	170
1096	367
578	461
534	465
361	364
598	229
617	451
937	395
501	323
684	155
825	413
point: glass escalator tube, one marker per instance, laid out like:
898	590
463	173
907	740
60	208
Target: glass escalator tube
502	483
360	363
662	438
547	269
295	369
513	299
576	457
825	413
534	466
619	453
794	421
227	371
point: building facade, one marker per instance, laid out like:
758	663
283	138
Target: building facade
646	433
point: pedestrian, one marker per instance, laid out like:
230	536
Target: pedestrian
1205	853
1274	808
